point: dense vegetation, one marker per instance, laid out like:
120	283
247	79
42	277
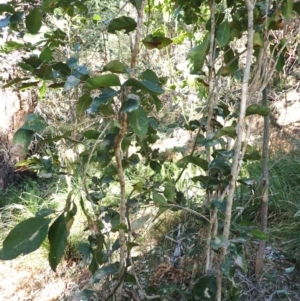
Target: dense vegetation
154	121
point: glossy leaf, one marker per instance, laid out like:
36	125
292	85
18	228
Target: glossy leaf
115	66
149	75
223	34
145	85
152	42
57	236
24	238
198	54
130	105
34	21
257	109
139	122
110	269
83	103
102	81
107	94
122	23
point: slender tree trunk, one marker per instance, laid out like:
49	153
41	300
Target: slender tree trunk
118	154
238	144
265	192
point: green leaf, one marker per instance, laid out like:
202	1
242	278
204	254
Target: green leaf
34	122
24	238
158	199
34	21
91	134
257	109
10	46
46	55
110	269
130	105
169	191
258	40
44	212
106	110
225	131
155	166
83	103
219	241
287	8
115	66
139	222
139	122
122	23
6	8
152	42
198	54
193	160
42	90
16	18
296	8
57	236
259	234
149	75
71	83
280	63
21	141
136	3
102	81
107	94
223	34
145	85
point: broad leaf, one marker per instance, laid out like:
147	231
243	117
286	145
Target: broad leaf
34	21
21	141
198	54
57	236
34	122
223	34
219	241
130	105
139	122
110	269
6	8
83	103
122	23
193	160
259	234
169	191
149	75
115	66
145	85
91	134
10	46
102	81
139	222
107	94
258	40
71	83
24	238
46	55
287	8
158	199
152	42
